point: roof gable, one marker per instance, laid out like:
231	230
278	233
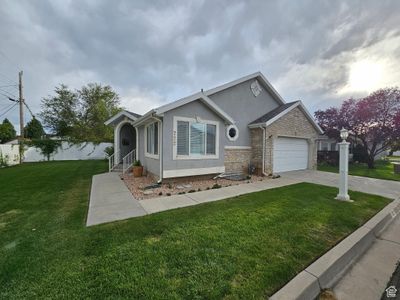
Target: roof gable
123	113
259	76
204	99
273	113
279	112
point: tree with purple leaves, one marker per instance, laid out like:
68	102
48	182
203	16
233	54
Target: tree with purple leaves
373	121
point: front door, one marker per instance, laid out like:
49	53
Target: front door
127	140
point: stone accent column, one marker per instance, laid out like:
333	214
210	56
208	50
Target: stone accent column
312	154
256	146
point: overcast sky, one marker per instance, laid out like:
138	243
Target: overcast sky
152	52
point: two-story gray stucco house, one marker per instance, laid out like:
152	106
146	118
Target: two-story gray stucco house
224	129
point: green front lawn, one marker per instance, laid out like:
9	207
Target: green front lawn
245	247
383	170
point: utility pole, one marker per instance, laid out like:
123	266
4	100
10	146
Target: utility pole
21	106
21	118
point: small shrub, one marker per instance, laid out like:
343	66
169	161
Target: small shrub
199	189
216	186
192	191
248	177
3	160
109	151
160	194
168	194
181	193
169	185
137	163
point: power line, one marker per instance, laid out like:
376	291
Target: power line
7	106
29	110
9	94
8	110
10	81
5	95
9	85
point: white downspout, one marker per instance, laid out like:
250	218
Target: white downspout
160	134
263	152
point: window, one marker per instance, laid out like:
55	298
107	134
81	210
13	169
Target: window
232	133
152	139
195	139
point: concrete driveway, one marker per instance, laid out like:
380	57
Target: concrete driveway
386	188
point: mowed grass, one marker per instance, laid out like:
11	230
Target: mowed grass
241	248
383	170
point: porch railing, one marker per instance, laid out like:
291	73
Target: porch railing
113	161
128	160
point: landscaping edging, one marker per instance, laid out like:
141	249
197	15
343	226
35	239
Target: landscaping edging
329	268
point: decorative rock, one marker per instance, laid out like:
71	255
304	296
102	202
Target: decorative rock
187	186
148	192
180	187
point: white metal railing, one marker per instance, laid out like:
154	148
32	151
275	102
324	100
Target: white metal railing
113	161
128	160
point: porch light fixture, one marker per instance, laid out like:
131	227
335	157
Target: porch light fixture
344	134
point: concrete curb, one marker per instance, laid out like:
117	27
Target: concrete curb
329	268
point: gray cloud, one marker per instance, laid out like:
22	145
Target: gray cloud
159	51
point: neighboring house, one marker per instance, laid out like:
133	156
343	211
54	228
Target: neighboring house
225	129
327	144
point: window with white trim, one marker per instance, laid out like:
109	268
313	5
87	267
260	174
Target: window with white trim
195	139
152	139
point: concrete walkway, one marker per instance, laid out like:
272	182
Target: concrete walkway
369	276
165	203
110	200
386	188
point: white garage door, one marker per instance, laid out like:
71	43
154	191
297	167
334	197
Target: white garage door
290	154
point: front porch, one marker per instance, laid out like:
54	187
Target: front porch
126	140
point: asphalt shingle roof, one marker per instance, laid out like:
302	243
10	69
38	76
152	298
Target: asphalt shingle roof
133	114
273	113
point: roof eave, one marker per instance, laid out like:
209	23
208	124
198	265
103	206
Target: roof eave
217	110
121	113
259	75
144	118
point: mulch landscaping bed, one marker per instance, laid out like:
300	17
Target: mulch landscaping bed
140	186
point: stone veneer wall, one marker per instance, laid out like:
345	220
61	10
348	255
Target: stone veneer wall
237	160
256	136
293	124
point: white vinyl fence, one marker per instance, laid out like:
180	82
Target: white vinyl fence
69	152
9	154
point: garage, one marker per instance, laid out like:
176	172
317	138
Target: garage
290	154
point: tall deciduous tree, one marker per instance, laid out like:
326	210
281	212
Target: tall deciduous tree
59	111
373	121
80	115
34	129
7	131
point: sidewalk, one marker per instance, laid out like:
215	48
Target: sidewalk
158	204
368	278
110	199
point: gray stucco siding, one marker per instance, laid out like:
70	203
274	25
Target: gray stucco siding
191	110
151	165
240	103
